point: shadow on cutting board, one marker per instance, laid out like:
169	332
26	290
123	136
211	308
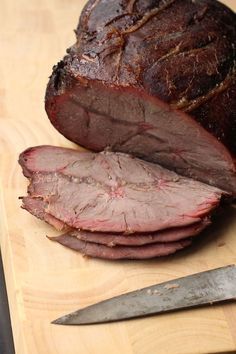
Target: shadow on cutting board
215	233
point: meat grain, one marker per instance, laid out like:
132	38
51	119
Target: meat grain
114	192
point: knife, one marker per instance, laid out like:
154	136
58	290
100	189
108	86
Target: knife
205	288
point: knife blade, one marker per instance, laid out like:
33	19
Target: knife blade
205	288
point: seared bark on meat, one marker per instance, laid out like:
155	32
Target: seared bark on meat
155	79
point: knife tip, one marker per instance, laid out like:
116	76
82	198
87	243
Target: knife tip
57	321
64	320
67	320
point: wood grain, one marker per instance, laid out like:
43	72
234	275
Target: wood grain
44	280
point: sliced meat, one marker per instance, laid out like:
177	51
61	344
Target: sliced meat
36	206
170	235
121	252
113	192
48	158
156	79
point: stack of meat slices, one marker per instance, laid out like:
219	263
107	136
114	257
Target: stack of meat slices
114	206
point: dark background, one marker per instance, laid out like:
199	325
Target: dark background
6	341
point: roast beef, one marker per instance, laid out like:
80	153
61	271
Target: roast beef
37	207
121	252
112	240
114	192
155	79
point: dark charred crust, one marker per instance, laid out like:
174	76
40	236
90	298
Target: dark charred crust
116	19
130	6
181	52
59	75
198	16
200	30
222	86
148	16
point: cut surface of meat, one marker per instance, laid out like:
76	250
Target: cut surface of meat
47	158
114	192
155	79
121	252
36	206
165	236
147	129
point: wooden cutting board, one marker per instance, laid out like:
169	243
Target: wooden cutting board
45	280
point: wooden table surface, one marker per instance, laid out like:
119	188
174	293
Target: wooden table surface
45	280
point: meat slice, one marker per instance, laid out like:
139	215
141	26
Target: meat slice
114	192
121	252
156	79
112	240
47	158
37	207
